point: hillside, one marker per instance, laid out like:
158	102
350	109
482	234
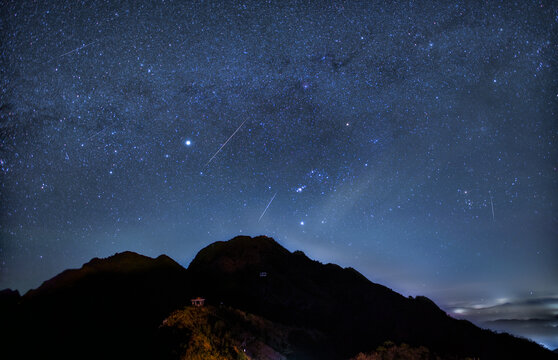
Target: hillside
223	332
355	314
107	308
263	302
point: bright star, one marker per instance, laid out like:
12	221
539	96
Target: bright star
302	223
187	143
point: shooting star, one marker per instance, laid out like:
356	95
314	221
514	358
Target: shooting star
270	201
222	146
97	133
491	205
79	48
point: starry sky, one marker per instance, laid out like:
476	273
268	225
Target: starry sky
415	142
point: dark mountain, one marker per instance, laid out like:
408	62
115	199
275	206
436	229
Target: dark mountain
355	314
8	298
110	308
263	302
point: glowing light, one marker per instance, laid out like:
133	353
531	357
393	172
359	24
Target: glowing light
302	223
187	142
502	300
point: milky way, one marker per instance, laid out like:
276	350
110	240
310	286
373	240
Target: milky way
414	142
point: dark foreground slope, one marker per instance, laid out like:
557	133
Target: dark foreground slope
354	313
263	302
110	308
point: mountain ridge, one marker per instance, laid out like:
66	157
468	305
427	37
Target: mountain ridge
135	294
126	261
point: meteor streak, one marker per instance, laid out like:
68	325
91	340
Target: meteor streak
79	48
492	206
222	146
97	133
270	201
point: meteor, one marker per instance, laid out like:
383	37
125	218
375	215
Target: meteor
270	201
492	206
222	146
78	48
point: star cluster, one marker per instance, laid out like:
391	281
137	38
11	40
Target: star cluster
415	142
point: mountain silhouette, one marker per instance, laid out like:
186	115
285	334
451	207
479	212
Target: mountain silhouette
109	308
262	302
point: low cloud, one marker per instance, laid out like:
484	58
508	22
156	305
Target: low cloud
536	319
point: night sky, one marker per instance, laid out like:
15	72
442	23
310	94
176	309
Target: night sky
414	142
